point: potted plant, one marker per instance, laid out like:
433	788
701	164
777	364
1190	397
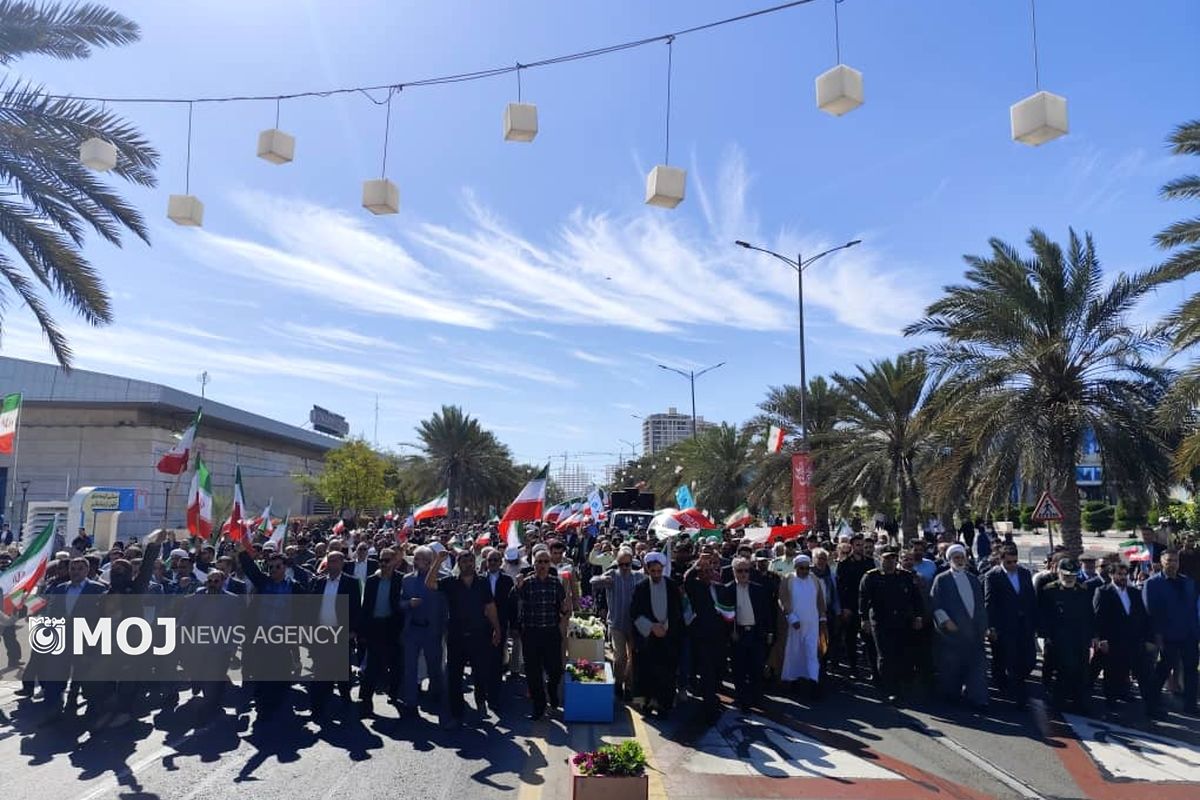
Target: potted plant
588	688
612	772
585	638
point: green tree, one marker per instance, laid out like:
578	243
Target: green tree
1097	516
720	461
50	199
1131	515
460	455
1036	351
886	436
354	478
1179	410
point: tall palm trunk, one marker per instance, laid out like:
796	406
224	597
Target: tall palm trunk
910	511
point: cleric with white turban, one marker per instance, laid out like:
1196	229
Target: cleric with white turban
961	617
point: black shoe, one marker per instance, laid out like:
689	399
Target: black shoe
24	691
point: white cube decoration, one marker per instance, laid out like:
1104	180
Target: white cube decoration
520	122
1039	118
185	209
381	196
839	90
664	186
98	154
276	146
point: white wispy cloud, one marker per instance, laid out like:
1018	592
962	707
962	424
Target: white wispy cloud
339	339
592	358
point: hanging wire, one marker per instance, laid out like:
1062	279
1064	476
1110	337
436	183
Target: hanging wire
518	81
454	78
187	170
670	51
1037	78
837	31
387	127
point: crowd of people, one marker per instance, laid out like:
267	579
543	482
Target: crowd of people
434	610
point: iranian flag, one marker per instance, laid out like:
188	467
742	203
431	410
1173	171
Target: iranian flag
340	527
727	612
775	439
264	524
21	579
777	533
280	531
9	412
237	514
1135	550
437	507
175	461
200	503
740	518
527	507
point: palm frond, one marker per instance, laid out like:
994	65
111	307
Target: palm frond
58	30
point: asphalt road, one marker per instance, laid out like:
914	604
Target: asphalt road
848	745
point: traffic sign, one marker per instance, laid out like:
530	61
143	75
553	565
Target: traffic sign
1047	509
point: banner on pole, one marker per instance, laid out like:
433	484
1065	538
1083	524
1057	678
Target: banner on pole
802	491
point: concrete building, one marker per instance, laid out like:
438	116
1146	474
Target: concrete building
660	431
82	428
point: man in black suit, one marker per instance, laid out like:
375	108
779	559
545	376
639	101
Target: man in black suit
378	628
1126	640
1012	607
334	582
754	619
63	598
709	630
657	613
504	596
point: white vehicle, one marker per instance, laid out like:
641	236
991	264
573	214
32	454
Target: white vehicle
628	522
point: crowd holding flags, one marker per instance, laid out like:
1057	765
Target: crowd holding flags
18	583
437	507
527	507
175	461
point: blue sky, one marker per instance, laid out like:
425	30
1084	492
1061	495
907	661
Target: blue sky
528	282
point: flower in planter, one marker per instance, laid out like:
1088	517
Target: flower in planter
584	671
626	759
587	607
585	628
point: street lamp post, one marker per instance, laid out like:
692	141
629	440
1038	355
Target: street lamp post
24	509
691	375
799	265
166	501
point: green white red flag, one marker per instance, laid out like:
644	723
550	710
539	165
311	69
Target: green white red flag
739	518
20	581
1135	550
10	412
200	502
527	507
279	533
175	461
437	507
775	436
237	514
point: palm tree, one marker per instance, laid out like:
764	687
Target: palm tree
1036	351
49	198
772	481
720	461
463	457
1184	325
885	437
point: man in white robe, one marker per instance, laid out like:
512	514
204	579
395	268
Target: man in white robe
803	604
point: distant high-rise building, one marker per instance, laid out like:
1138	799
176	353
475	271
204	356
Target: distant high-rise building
660	431
573	479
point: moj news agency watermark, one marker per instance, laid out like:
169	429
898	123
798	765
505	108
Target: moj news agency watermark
198	637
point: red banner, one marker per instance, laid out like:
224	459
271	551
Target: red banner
802	490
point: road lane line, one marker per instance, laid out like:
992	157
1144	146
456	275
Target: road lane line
657	791
1009	780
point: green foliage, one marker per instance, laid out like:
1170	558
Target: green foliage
1131	514
1026	517
354	478
459	454
1097	516
50	199
624	759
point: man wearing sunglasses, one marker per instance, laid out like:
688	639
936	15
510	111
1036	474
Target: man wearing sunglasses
379	624
503	593
618	583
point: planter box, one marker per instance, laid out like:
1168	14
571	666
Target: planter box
608	787
588	702
589	649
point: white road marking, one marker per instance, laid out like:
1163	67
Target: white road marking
1009	780
1136	755
750	745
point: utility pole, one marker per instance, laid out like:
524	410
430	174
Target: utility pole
204	379
691	375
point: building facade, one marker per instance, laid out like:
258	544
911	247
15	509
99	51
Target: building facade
660	431
83	428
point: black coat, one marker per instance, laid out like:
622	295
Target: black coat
347	585
370	594
1123	631
640	606
766	610
1013	615
1065	616
505	597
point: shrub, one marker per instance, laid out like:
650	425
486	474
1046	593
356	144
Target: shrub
625	759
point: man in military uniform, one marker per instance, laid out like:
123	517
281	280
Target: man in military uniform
1067	623
891	604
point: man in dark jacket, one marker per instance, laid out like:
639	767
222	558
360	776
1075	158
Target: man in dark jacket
850	572
334	583
1170	599
504	594
1125	639
754	619
657	611
891	602
378	628
1012	613
1067	623
709	630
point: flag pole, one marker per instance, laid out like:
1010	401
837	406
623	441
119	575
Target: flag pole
16	473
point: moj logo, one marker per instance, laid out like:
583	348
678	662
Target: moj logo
100	634
48	635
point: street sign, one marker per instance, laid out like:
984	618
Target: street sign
1047	509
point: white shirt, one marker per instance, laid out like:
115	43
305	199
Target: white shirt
328	614
745	606
360	570
73	592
